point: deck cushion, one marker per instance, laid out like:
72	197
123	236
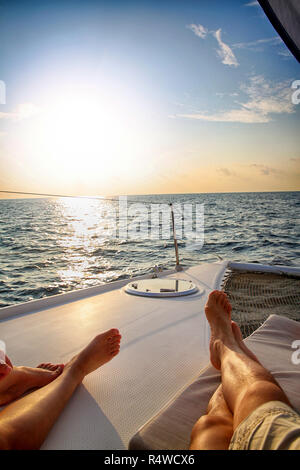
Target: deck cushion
272	343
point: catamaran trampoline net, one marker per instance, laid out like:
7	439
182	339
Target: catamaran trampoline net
256	295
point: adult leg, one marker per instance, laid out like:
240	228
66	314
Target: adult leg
25	423
214	430
246	383
22	379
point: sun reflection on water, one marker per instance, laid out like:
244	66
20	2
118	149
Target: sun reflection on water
82	240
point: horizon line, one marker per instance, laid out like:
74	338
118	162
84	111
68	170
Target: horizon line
34	195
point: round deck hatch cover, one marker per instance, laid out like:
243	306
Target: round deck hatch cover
161	287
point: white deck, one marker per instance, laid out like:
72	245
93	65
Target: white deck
164	347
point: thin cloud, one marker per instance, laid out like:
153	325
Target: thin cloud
221	95
224	51
226	172
256	45
235	115
259	45
252	4
267	170
268	97
199	30
286	54
264	99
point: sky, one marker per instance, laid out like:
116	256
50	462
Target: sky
139	97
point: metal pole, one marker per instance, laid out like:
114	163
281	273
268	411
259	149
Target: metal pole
177	267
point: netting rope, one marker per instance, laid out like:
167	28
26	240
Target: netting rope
256	295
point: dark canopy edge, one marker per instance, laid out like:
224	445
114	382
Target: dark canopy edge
265	4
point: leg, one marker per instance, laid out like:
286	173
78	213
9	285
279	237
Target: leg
25	423
214	430
22	379
246	383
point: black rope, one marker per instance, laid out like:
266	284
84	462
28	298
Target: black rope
99	198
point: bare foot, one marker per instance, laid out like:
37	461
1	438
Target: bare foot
50	366
218	314
22	379
99	351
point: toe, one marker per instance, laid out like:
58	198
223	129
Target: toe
213	296
114	353
110	334
114	346
8	361
220	297
59	369
5	369
41	366
224	301
114	339
227	306
50	367
113	350
114	332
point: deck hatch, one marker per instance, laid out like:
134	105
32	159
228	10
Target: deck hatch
161	287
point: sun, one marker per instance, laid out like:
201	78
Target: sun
88	137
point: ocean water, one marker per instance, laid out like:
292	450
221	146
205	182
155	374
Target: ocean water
54	245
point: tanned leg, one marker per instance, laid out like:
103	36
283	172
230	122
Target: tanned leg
25	423
214	430
22	379
246	383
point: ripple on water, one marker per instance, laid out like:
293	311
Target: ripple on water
50	246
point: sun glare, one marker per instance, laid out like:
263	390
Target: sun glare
89	136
